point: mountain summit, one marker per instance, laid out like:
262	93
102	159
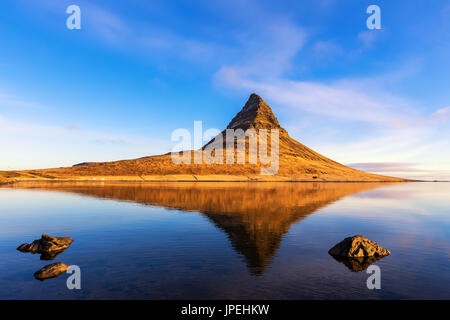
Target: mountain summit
296	162
255	114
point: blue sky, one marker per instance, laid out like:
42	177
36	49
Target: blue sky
137	70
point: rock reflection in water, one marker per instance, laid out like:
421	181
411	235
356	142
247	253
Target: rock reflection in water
357	264
255	216
51	271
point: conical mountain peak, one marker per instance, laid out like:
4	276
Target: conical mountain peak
256	114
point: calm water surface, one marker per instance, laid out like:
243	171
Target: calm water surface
227	240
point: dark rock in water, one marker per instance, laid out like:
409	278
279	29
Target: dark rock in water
51	271
48	246
358	246
357	264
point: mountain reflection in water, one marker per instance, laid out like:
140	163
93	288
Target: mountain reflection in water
255	216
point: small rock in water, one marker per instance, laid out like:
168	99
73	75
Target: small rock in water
51	271
358	246
46	245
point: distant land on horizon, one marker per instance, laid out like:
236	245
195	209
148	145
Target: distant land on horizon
296	162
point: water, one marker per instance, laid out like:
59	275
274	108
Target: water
226	240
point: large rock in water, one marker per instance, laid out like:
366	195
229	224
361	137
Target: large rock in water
48	246
51	271
358	246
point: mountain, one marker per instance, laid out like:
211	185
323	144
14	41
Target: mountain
296	162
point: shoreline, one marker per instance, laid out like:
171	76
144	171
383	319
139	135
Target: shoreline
120	180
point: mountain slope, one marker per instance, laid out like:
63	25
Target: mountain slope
296	161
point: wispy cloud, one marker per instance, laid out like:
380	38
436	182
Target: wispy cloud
442	115
342	99
8	100
43	144
139	36
271	52
106	25
145	38
367	39
386	167
328	48
72	127
402	169
111	141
